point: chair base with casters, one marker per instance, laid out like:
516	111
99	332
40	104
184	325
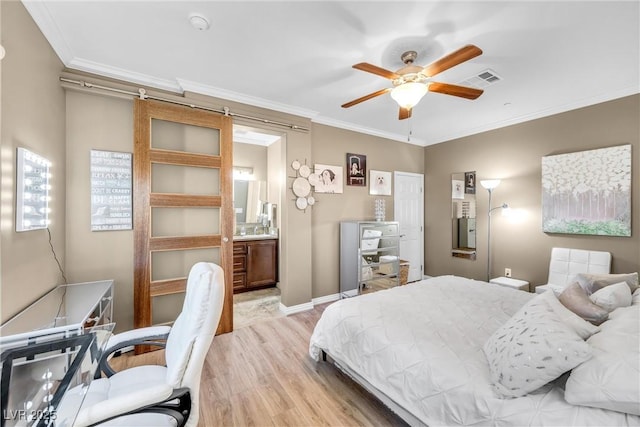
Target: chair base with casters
154	395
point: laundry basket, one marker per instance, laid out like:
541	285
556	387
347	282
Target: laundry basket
404	271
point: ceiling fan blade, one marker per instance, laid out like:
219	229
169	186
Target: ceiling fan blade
459	56
366	97
404	113
369	68
455	90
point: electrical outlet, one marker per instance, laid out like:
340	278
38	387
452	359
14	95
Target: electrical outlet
507	272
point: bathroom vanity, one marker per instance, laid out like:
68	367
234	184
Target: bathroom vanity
255	262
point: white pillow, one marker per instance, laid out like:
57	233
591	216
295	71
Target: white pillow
611	378
539	343
612	297
635	298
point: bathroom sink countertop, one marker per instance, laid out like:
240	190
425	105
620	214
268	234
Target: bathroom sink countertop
255	237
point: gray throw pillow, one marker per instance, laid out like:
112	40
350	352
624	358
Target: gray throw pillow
576	299
594	282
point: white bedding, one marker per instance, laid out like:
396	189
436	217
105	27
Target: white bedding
421	345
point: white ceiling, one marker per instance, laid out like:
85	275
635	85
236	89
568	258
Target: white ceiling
296	56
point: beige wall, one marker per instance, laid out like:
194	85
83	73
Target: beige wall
101	123
32	117
251	155
514	154
330	146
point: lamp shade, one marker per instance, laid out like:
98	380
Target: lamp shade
409	94
490	184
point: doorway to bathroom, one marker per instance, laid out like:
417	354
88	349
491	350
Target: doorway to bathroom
257	172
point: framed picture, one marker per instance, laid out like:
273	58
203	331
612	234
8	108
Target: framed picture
329	179
470	182
588	192
457	189
356	170
380	183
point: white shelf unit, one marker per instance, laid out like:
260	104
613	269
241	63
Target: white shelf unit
369	256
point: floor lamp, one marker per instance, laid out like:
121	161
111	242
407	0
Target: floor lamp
490	185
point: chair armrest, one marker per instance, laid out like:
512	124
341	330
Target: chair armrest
141	335
122	405
152	335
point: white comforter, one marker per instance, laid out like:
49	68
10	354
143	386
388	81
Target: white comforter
421	345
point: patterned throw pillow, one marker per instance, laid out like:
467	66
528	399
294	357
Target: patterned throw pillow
539	343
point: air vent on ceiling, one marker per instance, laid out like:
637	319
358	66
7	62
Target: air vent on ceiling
482	80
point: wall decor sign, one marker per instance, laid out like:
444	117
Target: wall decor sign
356	170
380	183
111	194
329	179
588	192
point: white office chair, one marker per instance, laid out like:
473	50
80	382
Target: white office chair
154	395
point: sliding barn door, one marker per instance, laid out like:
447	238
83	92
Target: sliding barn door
182	204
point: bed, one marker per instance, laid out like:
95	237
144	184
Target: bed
419	349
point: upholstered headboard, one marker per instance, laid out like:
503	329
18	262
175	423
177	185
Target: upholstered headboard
565	263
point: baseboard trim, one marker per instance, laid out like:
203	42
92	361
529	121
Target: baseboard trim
295	308
325	299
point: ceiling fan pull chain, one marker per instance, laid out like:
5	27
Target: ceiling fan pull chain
410	129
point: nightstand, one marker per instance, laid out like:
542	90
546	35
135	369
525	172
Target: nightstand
508	282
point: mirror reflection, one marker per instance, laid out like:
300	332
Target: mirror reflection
247	199
463	213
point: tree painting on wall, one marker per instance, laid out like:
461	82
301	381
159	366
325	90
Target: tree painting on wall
588	192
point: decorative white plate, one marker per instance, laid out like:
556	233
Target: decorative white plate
301	203
295	165
301	187
314	179
311	200
304	171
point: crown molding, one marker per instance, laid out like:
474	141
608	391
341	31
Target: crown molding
217	92
125	75
368	131
42	17
558	109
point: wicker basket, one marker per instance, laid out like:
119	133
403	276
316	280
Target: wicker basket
404	271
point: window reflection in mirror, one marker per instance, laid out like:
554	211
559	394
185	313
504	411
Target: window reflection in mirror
463	214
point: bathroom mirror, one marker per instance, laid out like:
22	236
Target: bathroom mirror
248	199
463	215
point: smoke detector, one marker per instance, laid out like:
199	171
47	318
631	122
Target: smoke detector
199	22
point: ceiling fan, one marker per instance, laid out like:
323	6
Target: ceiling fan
412	82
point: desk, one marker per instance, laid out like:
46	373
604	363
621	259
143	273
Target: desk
51	347
64	308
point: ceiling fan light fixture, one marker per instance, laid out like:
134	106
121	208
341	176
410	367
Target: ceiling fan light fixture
407	95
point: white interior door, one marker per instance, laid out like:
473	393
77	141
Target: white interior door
408	208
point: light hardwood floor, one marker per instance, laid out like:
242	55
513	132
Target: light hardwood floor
262	375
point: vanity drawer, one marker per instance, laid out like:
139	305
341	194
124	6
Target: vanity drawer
239	263
239	281
239	248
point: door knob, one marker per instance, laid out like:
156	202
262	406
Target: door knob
225	239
